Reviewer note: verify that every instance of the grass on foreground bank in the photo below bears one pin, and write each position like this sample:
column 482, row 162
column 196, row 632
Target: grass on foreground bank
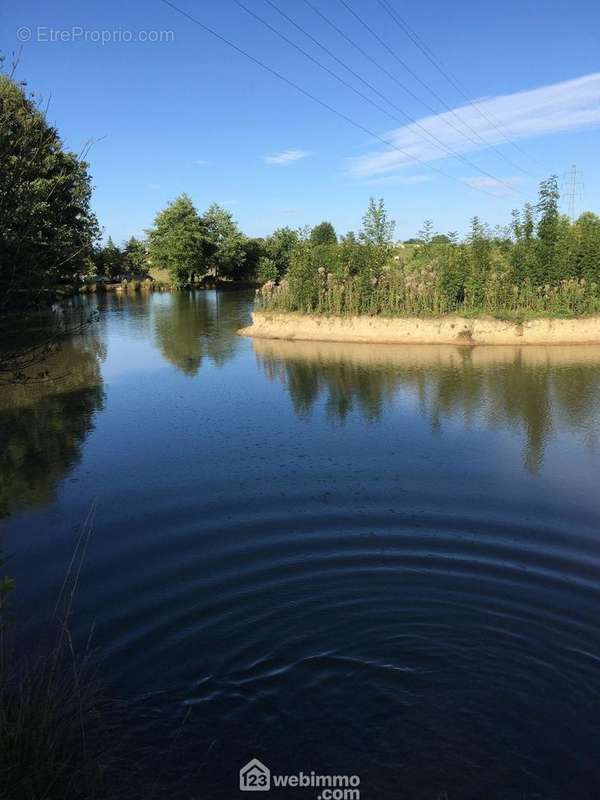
column 49, row 705
column 61, row 737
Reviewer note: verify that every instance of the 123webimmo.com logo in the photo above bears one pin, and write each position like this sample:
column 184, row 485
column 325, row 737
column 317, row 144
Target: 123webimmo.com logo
column 256, row 777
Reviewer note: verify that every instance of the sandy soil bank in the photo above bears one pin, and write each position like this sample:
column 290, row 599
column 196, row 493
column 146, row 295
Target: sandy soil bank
column 413, row 330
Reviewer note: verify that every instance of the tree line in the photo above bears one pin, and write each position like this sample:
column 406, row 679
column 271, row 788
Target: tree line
column 542, row 263
column 192, row 247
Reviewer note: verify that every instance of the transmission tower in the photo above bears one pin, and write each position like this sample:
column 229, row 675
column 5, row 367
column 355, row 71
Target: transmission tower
column 573, row 190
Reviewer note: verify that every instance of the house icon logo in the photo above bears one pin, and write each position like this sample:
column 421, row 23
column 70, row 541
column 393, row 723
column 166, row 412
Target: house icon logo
column 255, row 777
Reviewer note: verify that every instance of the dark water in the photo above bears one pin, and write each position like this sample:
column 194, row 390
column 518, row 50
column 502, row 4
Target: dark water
column 382, row 561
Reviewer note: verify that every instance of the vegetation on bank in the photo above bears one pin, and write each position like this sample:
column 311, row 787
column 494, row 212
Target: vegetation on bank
column 541, row 265
column 47, row 229
column 49, row 706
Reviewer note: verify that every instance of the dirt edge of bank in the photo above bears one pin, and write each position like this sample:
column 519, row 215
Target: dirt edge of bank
column 415, row 330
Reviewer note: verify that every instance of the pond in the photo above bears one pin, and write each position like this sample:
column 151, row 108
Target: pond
column 348, row 559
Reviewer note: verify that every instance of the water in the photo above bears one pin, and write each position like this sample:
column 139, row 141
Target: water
column 341, row 558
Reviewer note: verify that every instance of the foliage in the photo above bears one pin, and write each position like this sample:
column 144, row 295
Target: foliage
column 49, row 707
column 226, row 244
column 324, row 233
column 377, row 229
column 377, row 233
column 253, row 253
column 111, row 261
column 108, row 261
column 543, row 266
column 586, row 247
column 266, row 270
column 279, row 247
column 47, row 229
column 178, row 241
column 135, row 256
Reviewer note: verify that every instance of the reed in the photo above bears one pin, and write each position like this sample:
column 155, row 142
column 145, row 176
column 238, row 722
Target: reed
column 50, row 709
column 421, row 295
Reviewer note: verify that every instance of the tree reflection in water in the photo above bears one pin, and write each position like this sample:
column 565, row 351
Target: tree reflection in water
column 43, row 424
column 528, row 389
column 192, row 326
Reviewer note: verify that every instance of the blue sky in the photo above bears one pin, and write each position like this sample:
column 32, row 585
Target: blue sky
column 190, row 114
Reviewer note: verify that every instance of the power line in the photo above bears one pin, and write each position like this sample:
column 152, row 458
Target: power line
column 433, row 59
column 412, row 120
column 432, row 91
column 314, row 60
column 389, row 74
column 359, row 126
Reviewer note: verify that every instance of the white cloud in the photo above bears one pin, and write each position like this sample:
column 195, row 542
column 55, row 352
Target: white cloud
column 201, row 162
column 501, row 187
column 566, row 106
column 285, row 157
column 403, row 179
column 154, row 185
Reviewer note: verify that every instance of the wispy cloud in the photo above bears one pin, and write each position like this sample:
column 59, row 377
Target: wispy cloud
column 201, row 162
column 154, row 186
column 402, row 179
column 285, row 157
column 501, row 187
column 228, row 202
column 566, row 106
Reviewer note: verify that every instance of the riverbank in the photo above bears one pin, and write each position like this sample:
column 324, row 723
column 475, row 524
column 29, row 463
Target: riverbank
column 414, row 330
column 152, row 285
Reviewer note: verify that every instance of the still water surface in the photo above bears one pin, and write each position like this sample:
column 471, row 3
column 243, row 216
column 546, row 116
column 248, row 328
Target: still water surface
column 378, row 560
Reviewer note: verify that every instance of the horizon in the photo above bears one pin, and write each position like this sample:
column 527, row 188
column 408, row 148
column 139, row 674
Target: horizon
column 189, row 114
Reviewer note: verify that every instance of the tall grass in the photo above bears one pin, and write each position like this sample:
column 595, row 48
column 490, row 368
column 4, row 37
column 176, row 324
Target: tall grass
column 421, row 295
column 61, row 737
column 50, row 709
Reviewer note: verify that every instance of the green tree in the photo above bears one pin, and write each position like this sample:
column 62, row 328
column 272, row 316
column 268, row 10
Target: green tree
column 426, row 234
column 323, row 233
column 253, row 253
column 480, row 249
column 548, row 231
column 135, row 256
column 266, row 270
column 280, row 246
column 525, row 256
column 47, row 229
column 226, row 242
column 177, row 241
column 377, row 229
column 111, row 260
column 587, row 231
